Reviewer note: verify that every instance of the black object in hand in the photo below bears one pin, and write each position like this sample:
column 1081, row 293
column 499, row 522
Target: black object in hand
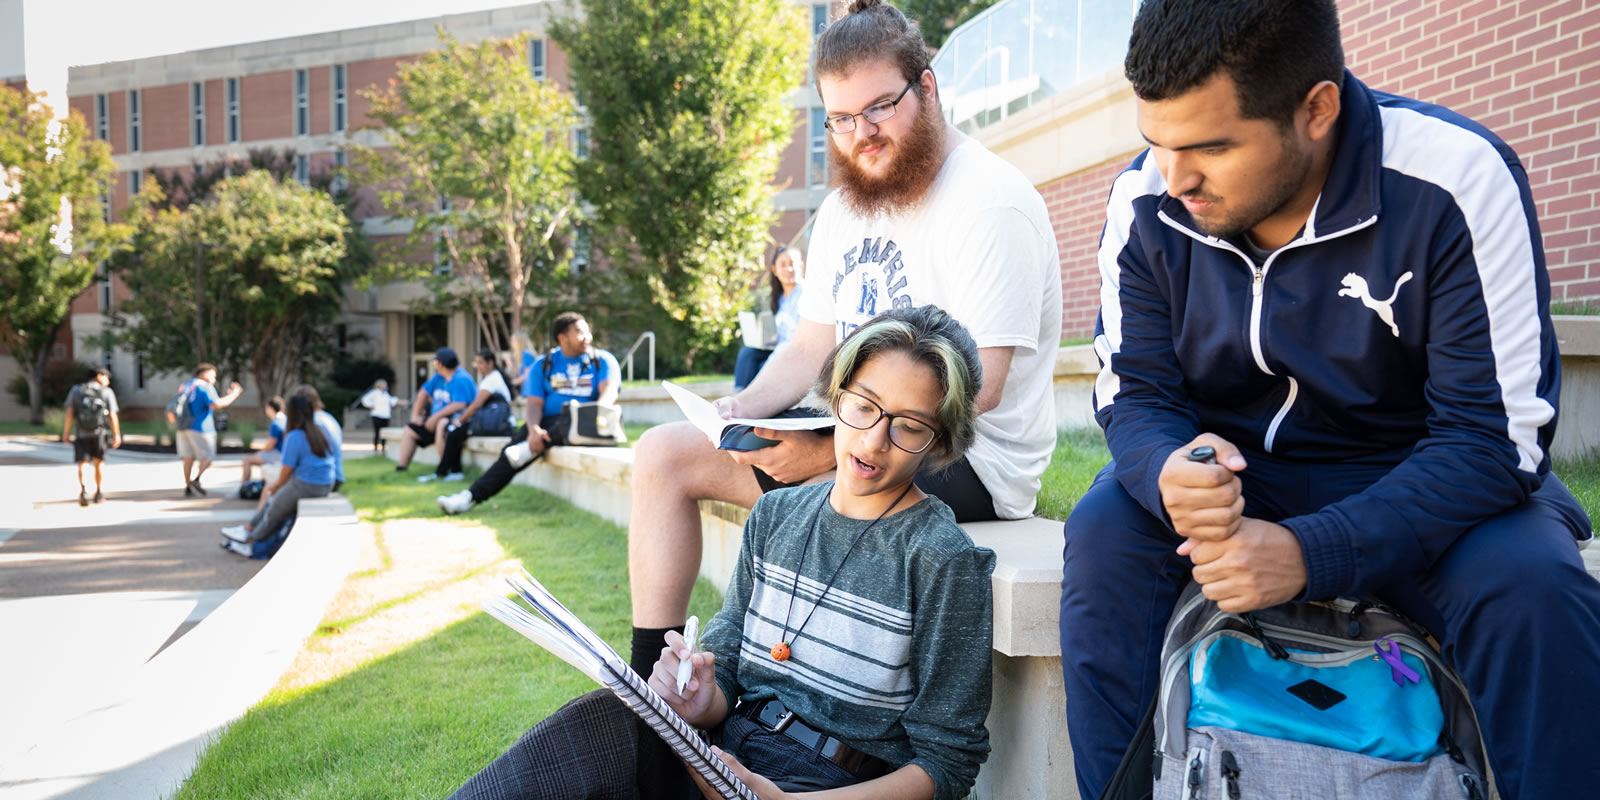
column 743, row 438
column 1204, row 454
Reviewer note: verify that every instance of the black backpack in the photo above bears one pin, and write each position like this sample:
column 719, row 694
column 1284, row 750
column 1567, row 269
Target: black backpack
column 93, row 411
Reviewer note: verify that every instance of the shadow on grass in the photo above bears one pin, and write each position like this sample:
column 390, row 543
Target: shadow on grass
column 421, row 720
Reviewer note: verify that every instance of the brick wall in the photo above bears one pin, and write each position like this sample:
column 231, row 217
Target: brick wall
column 1529, row 71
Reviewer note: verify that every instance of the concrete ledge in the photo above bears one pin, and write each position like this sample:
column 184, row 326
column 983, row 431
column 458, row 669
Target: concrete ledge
column 146, row 744
column 651, row 405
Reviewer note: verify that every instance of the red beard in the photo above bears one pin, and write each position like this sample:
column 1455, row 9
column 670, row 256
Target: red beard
column 915, row 160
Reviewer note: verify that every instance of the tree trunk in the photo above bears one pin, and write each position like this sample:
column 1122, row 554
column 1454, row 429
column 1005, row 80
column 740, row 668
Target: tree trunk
column 40, row 358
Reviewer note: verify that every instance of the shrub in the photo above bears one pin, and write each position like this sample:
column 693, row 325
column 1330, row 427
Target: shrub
column 60, row 375
column 349, row 378
column 246, row 431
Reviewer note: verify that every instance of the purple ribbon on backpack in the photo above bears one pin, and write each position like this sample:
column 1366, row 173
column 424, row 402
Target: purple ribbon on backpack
column 1390, row 652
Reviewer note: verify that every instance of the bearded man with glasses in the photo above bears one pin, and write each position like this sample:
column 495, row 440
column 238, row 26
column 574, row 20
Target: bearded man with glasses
column 921, row 215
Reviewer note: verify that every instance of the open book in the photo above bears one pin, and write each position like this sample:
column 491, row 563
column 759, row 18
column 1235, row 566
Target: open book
column 551, row 626
column 699, row 411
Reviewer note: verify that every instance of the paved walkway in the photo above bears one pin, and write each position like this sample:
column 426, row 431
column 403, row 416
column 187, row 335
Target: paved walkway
column 89, row 596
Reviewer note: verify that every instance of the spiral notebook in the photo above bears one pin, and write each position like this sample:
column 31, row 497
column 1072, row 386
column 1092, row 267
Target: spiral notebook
column 550, row 625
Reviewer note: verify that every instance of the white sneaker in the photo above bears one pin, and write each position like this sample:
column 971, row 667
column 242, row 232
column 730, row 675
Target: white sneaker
column 428, row 478
column 236, row 533
column 458, row 503
column 238, row 549
column 453, row 477
column 519, row 454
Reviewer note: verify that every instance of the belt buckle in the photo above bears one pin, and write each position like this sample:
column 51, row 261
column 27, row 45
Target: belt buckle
column 775, row 716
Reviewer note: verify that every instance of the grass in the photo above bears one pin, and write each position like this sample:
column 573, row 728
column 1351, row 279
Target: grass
column 716, row 378
column 419, row 721
column 1582, row 308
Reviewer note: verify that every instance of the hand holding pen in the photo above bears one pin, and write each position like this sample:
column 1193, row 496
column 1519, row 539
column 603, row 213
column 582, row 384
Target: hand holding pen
column 686, row 678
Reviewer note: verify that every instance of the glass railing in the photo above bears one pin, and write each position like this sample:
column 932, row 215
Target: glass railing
column 1020, row 52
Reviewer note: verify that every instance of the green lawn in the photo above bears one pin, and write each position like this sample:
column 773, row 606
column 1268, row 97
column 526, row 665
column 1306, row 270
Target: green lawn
column 728, row 378
column 419, row 722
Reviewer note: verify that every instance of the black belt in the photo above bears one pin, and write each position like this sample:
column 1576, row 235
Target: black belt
column 772, row 715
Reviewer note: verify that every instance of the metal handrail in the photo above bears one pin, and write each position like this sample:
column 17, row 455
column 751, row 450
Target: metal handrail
column 628, row 358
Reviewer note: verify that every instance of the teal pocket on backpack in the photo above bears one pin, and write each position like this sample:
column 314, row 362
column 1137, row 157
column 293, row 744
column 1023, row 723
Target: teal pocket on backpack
column 1352, row 700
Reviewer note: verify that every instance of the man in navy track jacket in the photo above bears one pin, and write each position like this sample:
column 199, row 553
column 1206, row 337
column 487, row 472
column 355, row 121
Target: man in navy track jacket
column 1342, row 292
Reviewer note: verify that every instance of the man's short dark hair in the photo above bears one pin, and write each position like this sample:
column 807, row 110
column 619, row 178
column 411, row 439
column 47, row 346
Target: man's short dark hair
column 871, row 30
column 563, row 321
column 201, row 370
column 98, row 371
column 1274, row 50
column 275, row 403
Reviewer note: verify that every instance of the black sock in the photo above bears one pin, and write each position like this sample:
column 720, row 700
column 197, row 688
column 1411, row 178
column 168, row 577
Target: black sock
column 646, row 651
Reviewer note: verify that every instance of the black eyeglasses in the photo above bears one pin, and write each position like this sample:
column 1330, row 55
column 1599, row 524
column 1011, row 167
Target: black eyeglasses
column 907, row 433
column 875, row 113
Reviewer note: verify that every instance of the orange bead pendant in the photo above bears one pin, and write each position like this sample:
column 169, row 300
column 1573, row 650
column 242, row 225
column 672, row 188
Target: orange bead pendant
column 780, row 652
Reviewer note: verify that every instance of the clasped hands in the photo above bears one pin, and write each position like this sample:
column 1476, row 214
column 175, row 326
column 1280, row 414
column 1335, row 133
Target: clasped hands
column 702, row 704
column 1241, row 563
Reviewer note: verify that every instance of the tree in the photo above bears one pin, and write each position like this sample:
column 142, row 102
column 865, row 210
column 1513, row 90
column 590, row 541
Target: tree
column 688, row 109
column 939, row 18
column 248, row 278
column 478, row 161
column 53, row 232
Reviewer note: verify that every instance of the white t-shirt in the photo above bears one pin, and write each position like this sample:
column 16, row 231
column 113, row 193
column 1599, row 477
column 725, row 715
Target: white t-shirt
column 495, row 383
column 380, row 402
column 979, row 246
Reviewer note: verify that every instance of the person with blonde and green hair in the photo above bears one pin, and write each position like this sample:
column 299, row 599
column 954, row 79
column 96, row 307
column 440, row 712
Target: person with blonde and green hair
column 852, row 652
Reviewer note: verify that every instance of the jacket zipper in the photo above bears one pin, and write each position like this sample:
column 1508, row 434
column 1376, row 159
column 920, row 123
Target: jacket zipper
column 1257, row 280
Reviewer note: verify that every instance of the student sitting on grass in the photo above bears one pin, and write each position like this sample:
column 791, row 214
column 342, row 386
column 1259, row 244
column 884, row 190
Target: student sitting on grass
column 308, row 470
column 875, row 606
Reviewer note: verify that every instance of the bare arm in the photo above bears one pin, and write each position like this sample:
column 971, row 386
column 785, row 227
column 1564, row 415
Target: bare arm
column 284, row 473
column 996, row 366
column 787, row 374
column 234, row 391
column 116, row 430
column 66, row 427
column 609, row 389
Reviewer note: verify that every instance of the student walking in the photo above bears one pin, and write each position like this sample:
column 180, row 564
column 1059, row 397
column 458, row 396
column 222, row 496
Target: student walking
column 379, row 405
column 92, row 406
column 197, row 440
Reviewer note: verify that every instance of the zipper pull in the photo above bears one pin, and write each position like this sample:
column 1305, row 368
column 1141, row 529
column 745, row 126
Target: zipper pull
column 1355, row 617
column 1470, row 785
column 1255, row 283
column 1274, row 649
column 1194, row 776
column 1230, row 773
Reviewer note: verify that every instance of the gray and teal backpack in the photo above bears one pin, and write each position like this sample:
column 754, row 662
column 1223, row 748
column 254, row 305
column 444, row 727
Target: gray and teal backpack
column 1333, row 700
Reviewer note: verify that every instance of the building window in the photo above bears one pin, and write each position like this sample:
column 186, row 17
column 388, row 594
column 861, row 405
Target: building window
column 138, row 373
column 135, row 122
column 233, row 110
column 819, row 19
column 536, row 58
column 302, row 169
column 339, row 94
column 817, row 161
column 106, row 359
column 580, row 143
column 105, row 300
column 341, row 181
column 197, row 101
column 302, row 102
column 135, row 183
column 582, row 248
column 105, row 206
column 341, row 335
column 102, row 118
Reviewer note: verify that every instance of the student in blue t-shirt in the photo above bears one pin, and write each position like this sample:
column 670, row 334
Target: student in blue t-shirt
column 309, row 469
column 198, row 442
column 271, row 453
column 441, row 399
column 574, row 370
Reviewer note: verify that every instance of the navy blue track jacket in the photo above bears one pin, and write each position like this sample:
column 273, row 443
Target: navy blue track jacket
column 1407, row 326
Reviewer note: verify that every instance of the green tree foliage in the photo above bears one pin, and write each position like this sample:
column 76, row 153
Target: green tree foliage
column 689, row 114
column 478, row 160
column 248, row 278
column 53, row 231
column 938, row 18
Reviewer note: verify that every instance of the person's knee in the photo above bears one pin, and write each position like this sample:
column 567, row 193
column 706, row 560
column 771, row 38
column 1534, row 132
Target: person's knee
column 666, row 454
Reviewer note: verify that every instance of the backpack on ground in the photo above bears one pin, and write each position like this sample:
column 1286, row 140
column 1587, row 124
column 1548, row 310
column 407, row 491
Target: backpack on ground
column 93, row 410
column 179, row 415
column 1339, row 700
column 251, row 490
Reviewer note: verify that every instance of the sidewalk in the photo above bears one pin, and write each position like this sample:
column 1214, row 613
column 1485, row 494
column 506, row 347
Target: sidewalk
column 108, row 688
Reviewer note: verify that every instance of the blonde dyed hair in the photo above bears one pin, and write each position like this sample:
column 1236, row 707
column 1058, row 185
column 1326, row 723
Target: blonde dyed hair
column 929, row 336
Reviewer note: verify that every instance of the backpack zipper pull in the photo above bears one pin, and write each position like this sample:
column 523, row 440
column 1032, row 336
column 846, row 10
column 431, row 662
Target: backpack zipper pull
column 1194, row 777
column 1274, row 649
column 1230, row 773
column 1355, row 617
